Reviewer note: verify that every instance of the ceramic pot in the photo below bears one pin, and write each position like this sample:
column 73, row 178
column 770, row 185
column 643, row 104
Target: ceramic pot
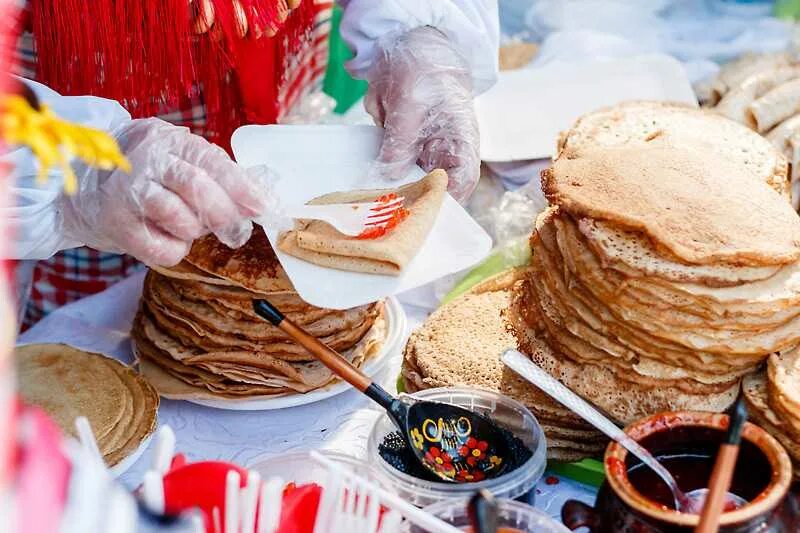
column 633, row 499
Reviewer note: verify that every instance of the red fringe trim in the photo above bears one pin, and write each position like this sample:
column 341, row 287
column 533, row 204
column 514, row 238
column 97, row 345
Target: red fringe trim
column 144, row 54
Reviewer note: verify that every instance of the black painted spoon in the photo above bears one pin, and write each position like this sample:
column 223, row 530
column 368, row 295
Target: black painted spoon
column 454, row 443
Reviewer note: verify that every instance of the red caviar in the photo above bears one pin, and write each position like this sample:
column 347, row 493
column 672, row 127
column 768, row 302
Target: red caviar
column 398, row 215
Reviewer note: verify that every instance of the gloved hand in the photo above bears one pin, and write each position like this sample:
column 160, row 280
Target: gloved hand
column 420, row 90
column 180, row 188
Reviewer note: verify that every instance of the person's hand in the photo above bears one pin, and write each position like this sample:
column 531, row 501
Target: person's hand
column 420, row 90
column 181, row 187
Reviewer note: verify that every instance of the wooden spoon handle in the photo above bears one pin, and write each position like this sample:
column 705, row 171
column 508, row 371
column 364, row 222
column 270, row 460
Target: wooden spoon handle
column 328, row 357
column 718, row 486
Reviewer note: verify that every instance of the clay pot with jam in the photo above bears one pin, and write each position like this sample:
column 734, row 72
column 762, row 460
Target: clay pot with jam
column 633, row 498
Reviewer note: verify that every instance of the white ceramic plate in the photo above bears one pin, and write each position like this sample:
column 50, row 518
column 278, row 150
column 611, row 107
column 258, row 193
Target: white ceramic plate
column 314, row 160
column 396, row 326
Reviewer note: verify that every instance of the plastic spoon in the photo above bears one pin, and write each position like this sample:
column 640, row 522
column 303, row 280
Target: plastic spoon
column 523, row 366
column 453, row 443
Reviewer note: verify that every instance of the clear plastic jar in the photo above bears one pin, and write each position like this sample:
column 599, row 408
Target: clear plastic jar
column 506, row 412
column 511, row 514
column 300, row 467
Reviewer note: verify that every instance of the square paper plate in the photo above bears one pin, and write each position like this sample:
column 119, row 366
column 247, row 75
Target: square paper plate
column 522, row 115
column 314, row 160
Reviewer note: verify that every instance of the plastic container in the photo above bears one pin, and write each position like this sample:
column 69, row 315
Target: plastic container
column 300, row 468
column 506, row 412
column 511, row 514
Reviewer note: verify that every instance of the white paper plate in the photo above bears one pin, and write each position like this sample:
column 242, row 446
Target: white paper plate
column 314, row 160
column 521, row 116
column 396, row 327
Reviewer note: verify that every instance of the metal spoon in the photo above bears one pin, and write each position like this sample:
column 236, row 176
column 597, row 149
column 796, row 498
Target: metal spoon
column 455, row 444
column 523, row 366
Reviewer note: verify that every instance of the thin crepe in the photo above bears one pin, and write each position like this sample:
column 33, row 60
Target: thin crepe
column 320, row 243
column 698, row 206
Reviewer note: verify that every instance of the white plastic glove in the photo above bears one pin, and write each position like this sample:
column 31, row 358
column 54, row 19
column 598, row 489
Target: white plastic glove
column 420, row 90
column 181, row 187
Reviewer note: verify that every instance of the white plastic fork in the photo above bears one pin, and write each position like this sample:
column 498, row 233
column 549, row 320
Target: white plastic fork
column 356, row 505
column 349, row 219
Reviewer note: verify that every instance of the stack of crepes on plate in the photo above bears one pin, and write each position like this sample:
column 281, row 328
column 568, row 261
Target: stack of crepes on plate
column 68, row 383
column 762, row 91
column 197, row 337
column 666, row 267
column 460, row 345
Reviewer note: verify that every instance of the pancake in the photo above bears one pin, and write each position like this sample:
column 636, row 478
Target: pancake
column 460, row 345
column 633, row 254
column 703, row 209
column 193, row 334
column 639, row 123
column 204, row 318
column 254, row 266
column 175, row 380
column 756, row 395
column 625, row 401
column 187, row 272
column 67, row 383
column 320, row 243
column 141, row 424
column 300, row 376
column 783, row 373
column 587, row 318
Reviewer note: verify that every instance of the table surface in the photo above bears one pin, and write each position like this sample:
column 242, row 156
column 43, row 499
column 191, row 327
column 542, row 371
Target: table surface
column 101, row 323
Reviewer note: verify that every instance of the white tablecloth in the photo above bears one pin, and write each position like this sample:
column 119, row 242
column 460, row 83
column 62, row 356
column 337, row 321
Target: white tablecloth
column 101, row 323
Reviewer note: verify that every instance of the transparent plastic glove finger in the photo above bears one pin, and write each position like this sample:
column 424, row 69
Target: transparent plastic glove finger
column 249, row 193
column 420, row 91
column 273, row 216
column 459, row 159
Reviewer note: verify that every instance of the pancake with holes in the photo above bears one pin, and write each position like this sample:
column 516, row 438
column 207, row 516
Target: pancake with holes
column 460, row 345
column 640, row 123
column 662, row 273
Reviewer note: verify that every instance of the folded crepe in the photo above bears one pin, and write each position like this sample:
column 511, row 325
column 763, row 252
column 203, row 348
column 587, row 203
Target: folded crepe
column 320, row 243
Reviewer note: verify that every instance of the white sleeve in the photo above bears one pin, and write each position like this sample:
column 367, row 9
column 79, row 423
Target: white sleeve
column 32, row 214
column 471, row 25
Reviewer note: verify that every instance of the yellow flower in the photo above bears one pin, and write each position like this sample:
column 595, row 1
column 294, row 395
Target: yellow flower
column 54, row 141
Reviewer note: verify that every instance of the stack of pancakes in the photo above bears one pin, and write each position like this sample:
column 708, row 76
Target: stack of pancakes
column 68, row 383
column 196, row 334
column 662, row 273
column 460, row 345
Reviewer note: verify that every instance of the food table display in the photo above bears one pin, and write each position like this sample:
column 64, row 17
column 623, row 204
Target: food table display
column 663, row 278
column 662, row 275
column 341, row 423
